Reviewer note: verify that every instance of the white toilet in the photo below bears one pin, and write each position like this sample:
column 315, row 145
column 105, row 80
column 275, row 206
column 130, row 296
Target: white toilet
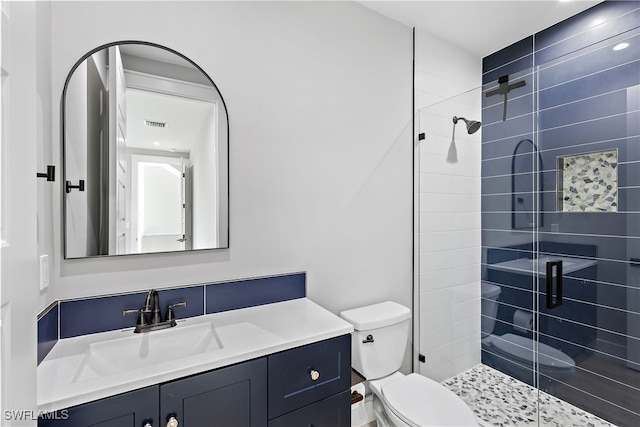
column 514, row 354
column 378, row 346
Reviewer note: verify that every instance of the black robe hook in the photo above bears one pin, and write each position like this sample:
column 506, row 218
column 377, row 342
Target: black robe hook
column 50, row 174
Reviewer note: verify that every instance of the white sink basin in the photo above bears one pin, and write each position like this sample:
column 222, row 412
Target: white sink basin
column 95, row 366
column 137, row 351
column 530, row 265
column 542, row 261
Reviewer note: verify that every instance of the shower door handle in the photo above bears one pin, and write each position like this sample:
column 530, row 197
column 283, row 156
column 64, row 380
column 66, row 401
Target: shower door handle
column 554, row 300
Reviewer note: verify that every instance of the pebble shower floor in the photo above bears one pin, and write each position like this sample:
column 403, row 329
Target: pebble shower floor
column 499, row 400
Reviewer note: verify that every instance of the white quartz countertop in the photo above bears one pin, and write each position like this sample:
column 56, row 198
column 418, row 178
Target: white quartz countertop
column 90, row 367
column 530, row 265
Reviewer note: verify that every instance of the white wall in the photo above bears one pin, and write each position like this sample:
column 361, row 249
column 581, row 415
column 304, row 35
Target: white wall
column 76, row 166
column 205, row 184
column 448, row 218
column 25, row 131
column 45, row 152
column 319, row 100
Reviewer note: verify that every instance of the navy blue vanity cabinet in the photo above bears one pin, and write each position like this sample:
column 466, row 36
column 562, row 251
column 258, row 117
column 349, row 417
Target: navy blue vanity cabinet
column 334, row 411
column 571, row 327
column 310, row 385
column 132, row 409
column 304, row 386
column 235, row 396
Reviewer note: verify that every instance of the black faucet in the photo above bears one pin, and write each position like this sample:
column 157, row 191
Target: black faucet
column 152, row 306
column 155, row 309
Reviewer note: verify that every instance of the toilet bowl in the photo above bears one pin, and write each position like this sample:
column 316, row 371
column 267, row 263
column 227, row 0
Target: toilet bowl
column 415, row 400
column 515, row 354
column 378, row 343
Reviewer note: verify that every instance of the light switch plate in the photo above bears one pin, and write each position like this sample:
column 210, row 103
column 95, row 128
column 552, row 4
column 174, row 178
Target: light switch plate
column 44, row 272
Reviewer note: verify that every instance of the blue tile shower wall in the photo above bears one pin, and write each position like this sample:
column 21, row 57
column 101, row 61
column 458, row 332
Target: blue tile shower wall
column 580, row 96
column 590, row 27
column 92, row 315
column 515, row 58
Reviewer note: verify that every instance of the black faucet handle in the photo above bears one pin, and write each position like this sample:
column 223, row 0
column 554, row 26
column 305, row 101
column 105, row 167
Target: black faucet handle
column 170, row 315
column 142, row 319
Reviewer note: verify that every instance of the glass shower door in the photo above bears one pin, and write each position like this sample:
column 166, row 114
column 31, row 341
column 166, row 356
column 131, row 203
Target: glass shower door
column 510, row 222
column 589, row 234
column 448, row 214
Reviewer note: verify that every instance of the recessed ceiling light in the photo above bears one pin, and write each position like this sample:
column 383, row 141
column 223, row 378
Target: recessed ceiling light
column 621, row 46
column 156, row 143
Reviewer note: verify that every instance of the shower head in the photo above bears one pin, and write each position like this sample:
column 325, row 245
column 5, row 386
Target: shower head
column 472, row 125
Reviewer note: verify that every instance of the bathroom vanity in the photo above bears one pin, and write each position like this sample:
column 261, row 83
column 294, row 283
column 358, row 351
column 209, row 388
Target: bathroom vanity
column 562, row 326
column 280, row 364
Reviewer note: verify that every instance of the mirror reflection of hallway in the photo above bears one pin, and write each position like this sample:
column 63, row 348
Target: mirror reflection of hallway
column 163, row 107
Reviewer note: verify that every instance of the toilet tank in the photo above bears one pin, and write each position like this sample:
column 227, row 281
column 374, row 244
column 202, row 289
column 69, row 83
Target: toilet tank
column 488, row 307
column 379, row 340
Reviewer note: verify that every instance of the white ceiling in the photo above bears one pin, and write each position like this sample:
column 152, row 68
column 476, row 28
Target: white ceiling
column 186, row 121
column 480, row 27
column 155, row 54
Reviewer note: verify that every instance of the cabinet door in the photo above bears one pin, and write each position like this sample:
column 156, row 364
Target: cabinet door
column 132, row 409
column 235, row 396
column 304, row 375
column 334, row 411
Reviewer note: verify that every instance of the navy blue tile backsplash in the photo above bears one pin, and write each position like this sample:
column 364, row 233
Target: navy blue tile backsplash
column 72, row 318
column 47, row 330
column 89, row 316
column 252, row 292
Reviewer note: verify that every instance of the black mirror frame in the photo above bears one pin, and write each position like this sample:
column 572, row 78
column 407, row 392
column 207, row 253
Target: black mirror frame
column 63, row 129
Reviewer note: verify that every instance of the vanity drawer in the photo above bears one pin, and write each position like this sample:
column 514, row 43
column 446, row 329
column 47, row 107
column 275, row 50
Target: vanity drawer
column 334, row 411
column 304, row 375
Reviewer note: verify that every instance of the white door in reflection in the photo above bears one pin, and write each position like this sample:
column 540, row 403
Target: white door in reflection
column 160, row 209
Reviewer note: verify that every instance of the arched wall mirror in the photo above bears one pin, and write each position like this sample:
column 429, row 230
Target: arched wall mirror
column 523, row 187
column 145, row 138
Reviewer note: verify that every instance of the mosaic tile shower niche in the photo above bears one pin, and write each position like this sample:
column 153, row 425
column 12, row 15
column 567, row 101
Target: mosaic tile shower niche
column 588, row 182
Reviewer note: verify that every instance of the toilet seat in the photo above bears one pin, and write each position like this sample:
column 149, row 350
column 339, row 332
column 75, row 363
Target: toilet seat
column 420, row 401
column 520, row 349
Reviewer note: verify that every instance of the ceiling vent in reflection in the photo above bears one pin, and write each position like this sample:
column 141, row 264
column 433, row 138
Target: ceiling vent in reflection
column 153, row 124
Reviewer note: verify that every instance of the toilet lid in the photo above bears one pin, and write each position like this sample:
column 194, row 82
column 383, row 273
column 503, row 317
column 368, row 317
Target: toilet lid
column 521, row 348
column 423, row 402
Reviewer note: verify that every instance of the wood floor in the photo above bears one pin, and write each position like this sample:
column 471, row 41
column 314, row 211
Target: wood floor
column 356, row 378
column 605, row 394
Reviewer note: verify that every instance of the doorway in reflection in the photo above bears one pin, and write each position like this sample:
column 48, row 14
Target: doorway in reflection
column 160, row 204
